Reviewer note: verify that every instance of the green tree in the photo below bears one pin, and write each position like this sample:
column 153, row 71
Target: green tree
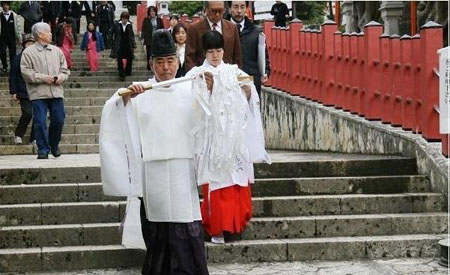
column 188, row 7
column 311, row 12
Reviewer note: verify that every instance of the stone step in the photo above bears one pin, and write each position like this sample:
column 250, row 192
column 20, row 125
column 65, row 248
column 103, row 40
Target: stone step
column 284, row 165
column 68, row 129
column 307, row 249
column 68, row 101
column 27, row 149
column 113, row 211
column 70, row 110
column 76, row 92
column 80, row 192
column 334, row 248
column 69, row 258
column 65, row 139
column 88, row 73
column 70, row 119
column 144, row 73
column 78, row 85
column 110, row 68
column 257, row 229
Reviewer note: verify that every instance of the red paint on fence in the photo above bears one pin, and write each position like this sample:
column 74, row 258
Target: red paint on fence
column 370, row 74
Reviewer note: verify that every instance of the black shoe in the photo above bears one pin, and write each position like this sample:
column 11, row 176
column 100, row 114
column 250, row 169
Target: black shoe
column 56, row 153
column 122, row 78
column 42, row 156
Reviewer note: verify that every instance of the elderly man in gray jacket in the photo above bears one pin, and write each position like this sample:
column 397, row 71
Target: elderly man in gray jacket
column 44, row 70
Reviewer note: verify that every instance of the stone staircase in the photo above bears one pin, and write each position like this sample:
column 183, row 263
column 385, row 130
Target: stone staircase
column 307, row 206
column 85, row 94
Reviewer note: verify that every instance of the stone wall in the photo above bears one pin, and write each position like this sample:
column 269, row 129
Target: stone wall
column 298, row 124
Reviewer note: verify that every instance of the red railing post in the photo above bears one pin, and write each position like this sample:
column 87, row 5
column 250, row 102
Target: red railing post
column 346, row 72
column 417, row 102
column 184, row 18
column 196, row 18
column 276, row 57
column 328, row 63
column 385, row 78
column 166, row 22
column 372, row 105
column 338, row 61
column 267, row 29
column 445, row 145
column 431, row 33
column 285, row 66
column 315, row 64
column 361, row 82
column 354, row 73
column 396, row 86
column 294, row 83
column 302, row 63
column 407, row 111
column 308, row 65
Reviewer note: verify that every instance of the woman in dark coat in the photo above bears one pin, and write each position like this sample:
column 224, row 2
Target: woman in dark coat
column 149, row 25
column 124, row 45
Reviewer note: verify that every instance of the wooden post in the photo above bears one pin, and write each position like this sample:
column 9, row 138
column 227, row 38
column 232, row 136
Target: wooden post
column 413, row 12
column 337, row 13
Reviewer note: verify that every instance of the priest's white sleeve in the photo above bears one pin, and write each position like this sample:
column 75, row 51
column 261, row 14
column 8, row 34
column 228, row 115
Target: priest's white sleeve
column 121, row 165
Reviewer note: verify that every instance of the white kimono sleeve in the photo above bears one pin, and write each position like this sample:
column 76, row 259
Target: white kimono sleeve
column 254, row 133
column 121, row 164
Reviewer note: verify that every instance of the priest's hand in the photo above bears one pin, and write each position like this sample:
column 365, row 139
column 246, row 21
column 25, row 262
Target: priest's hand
column 209, row 81
column 136, row 90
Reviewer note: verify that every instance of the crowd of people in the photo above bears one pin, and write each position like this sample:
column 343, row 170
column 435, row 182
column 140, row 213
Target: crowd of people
column 218, row 47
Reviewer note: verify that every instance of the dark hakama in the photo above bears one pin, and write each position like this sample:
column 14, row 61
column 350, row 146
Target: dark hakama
column 173, row 248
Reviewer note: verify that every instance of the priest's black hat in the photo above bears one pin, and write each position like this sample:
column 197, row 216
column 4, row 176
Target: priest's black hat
column 163, row 44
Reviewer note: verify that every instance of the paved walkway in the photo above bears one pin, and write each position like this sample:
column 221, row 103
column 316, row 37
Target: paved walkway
column 424, row 266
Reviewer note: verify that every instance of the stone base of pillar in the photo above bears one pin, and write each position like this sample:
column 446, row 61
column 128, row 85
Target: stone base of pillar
column 444, row 244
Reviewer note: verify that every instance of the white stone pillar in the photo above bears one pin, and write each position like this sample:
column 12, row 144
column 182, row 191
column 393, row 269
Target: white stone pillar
column 347, row 16
column 391, row 13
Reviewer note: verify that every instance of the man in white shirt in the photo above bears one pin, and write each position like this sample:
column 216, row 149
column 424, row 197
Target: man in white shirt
column 146, row 150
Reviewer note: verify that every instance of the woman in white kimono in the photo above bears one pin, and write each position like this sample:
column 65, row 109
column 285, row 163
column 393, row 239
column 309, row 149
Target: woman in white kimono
column 224, row 153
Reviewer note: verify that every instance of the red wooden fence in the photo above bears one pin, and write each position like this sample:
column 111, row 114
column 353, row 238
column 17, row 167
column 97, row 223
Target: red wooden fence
column 376, row 76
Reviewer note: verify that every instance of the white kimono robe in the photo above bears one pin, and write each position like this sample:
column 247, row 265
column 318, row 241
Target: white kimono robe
column 252, row 150
column 146, row 150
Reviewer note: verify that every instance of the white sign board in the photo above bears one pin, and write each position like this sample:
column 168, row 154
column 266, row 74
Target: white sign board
column 444, row 90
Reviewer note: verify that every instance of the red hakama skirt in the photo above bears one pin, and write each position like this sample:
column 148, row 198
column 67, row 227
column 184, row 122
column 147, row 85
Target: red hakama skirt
column 229, row 209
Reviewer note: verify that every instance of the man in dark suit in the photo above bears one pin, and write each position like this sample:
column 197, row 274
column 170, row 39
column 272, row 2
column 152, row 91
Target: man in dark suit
column 194, row 51
column 72, row 9
column 105, row 21
column 249, row 36
column 9, row 34
column 31, row 12
column 51, row 11
column 280, row 12
column 90, row 10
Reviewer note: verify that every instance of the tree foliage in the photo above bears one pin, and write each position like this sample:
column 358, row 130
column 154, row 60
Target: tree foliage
column 188, row 7
column 311, row 12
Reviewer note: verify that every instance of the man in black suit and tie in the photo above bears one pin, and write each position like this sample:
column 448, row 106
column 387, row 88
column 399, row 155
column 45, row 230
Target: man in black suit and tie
column 31, row 12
